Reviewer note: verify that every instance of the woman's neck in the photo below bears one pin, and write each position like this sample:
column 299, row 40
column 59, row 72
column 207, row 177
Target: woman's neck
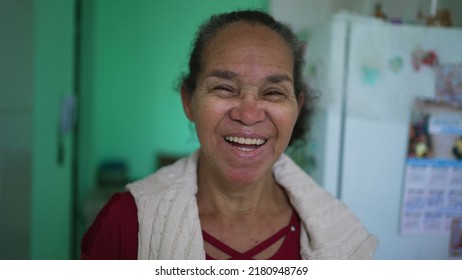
column 221, row 197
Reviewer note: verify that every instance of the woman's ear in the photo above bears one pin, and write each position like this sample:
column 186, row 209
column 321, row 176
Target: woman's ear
column 186, row 97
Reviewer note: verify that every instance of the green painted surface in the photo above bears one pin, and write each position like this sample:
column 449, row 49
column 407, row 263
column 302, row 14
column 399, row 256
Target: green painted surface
column 53, row 79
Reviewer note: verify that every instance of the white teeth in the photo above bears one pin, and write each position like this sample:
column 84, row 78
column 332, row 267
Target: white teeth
column 245, row 149
column 245, row 141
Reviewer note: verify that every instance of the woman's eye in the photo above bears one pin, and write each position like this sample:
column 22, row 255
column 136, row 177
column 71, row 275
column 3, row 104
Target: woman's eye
column 223, row 89
column 274, row 95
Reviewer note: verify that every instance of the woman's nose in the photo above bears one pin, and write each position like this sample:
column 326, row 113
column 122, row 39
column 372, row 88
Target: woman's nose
column 248, row 111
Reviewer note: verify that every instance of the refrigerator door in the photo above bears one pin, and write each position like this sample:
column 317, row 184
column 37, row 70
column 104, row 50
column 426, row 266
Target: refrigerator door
column 384, row 74
column 326, row 52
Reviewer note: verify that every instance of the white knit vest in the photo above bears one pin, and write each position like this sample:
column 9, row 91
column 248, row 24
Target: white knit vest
column 169, row 225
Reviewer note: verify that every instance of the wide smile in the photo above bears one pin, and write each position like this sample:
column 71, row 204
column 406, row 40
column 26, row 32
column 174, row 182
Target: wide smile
column 245, row 144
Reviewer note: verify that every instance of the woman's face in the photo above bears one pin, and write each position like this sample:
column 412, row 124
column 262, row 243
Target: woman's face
column 244, row 107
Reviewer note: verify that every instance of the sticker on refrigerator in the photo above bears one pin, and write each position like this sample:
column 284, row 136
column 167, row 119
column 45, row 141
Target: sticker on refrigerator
column 432, row 195
column 449, row 82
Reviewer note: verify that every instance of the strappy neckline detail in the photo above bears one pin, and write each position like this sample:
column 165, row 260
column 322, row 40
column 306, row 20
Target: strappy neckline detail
column 249, row 254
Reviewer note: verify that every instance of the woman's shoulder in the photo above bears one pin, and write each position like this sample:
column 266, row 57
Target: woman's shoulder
column 114, row 232
column 297, row 182
column 181, row 174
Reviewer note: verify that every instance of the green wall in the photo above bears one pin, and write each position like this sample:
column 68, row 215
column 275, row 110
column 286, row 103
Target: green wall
column 133, row 54
column 53, row 79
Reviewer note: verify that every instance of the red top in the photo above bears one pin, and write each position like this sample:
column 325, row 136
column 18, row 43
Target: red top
column 114, row 235
column 289, row 250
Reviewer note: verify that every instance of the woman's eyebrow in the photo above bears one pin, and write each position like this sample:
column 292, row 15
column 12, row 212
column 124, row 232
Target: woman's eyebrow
column 278, row 78
column 224, row 74
column 231, row 75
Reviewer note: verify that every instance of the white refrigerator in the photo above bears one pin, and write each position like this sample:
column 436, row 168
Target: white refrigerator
column 368, row 73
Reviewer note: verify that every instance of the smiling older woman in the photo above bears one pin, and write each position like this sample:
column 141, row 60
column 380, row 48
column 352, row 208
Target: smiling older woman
column 238, row 196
